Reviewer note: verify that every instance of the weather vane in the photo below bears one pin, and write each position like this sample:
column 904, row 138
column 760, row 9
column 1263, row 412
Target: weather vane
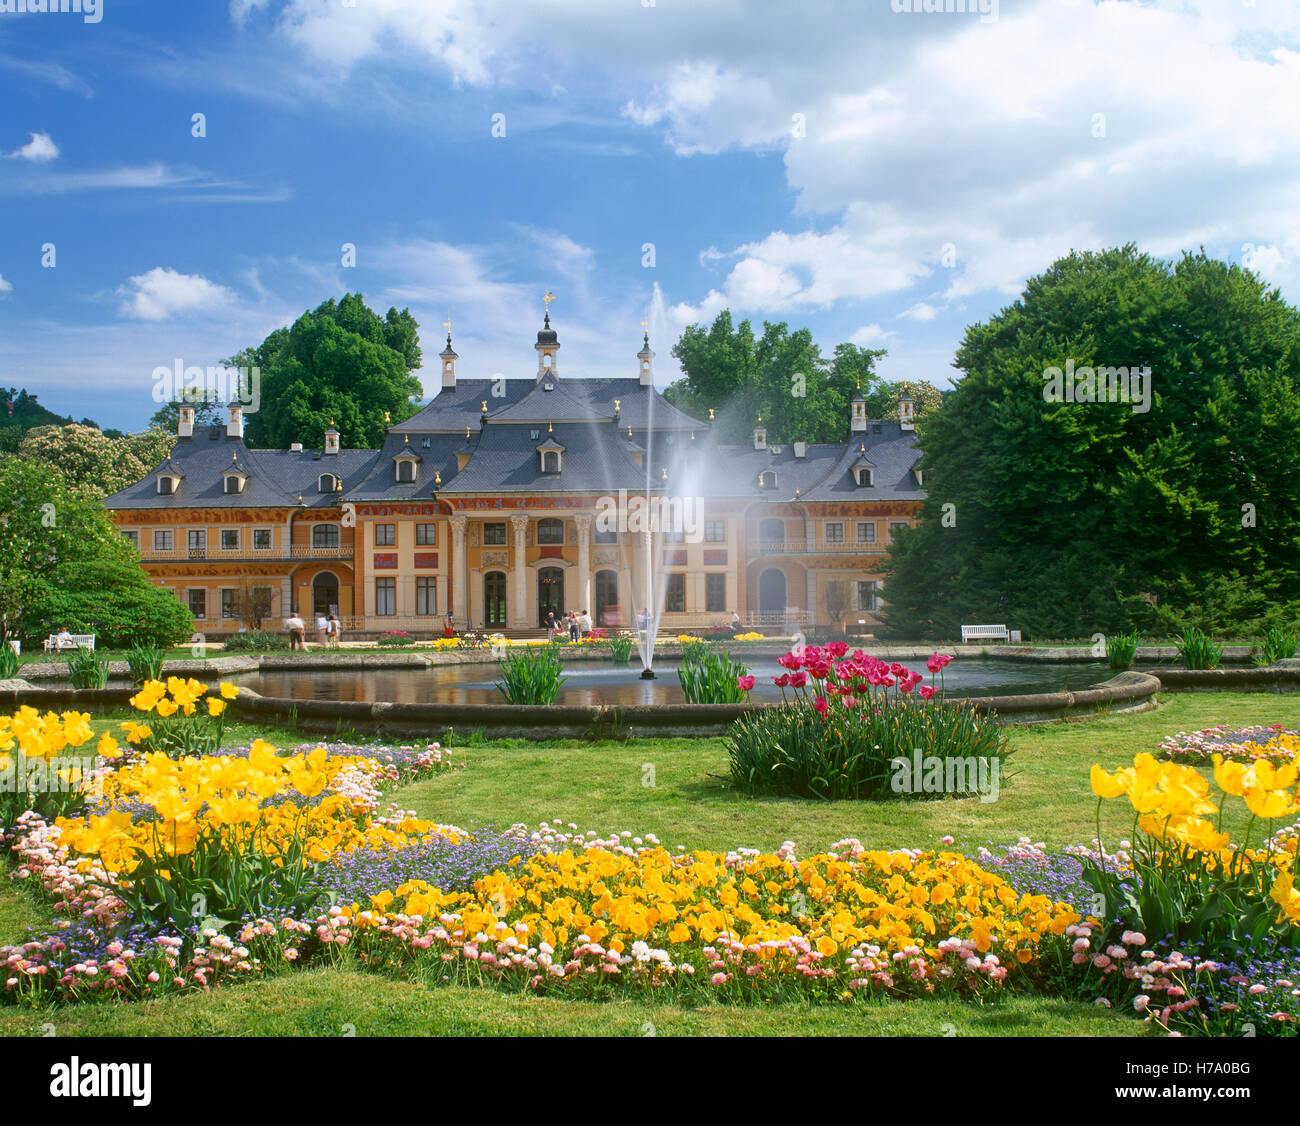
column 547, row 298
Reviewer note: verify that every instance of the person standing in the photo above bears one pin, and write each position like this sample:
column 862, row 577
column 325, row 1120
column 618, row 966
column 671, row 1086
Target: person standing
column 573, row 626
column 335, row 630
column 322, row 629
column 584, row 624
column 297, row 629
column 449, row 630
column 552, row 626
column 735, row 620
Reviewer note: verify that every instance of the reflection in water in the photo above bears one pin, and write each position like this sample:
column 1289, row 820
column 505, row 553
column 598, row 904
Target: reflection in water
column 604, row 684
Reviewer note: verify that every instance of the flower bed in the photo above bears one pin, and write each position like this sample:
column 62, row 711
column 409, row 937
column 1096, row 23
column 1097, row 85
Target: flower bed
column 1275, row 744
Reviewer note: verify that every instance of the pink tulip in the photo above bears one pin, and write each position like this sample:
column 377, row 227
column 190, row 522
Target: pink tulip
column 744, row 683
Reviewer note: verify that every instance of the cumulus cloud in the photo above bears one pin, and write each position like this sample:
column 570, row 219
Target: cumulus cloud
column 163, row 292
column 41, row 149
column 5, row 286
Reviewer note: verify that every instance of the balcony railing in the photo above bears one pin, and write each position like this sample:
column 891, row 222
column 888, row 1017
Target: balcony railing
column 150, row 554
column 816, row 547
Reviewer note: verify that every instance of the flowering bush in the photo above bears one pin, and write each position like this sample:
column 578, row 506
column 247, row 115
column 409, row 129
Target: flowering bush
column 1275, row 744
column 1183, row 877
column 749, row 637
column 42, row 776
column 852, row 725
column 177, row 725
column 394, row 639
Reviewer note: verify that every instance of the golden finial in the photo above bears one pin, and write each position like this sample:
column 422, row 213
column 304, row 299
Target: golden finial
column 484, row 402
column 760, row 420
column 710, row 414
column 550, row 429
column 300, row 498
column 617, row 408
column 338, row 484
column 234, row 456
column 663, row 474
column 437, row 477
column 406, row 439
column 548, row 297
column 629, row 430
column 467, row 433
column 447, row 325
column 692, row 435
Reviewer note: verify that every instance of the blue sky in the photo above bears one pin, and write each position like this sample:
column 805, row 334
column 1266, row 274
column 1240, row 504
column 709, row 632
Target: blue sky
column 881, row 176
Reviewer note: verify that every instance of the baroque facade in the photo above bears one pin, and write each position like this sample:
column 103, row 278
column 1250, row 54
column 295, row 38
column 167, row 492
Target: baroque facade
column 493, row 503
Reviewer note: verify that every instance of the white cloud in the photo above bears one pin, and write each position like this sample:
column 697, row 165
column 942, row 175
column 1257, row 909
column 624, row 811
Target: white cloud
column 5, row 286
column 163, row 292
column 871, row 336
column 41, row 149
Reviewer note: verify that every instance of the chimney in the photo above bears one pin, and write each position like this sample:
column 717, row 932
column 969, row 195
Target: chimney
column 646, row 359
column 295, row 447
column 331, row 440
column 185, row 422
column 235, row 427
column 800, row 449
column 760, row 435
column 449, row 359
column 905, row 419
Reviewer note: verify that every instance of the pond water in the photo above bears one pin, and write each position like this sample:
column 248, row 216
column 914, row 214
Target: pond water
column 588, row 684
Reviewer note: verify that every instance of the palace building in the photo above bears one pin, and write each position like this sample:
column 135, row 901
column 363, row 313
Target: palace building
column 491, row 504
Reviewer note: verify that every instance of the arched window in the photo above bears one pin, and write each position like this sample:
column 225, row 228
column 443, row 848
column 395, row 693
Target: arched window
column 550, row 461
column 863, row 477
column 234, row 483
column 166, row 486
column 767, row 479
column 405, row 472
column 328, row 482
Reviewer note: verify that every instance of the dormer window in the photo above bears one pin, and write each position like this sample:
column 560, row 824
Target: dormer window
column 234, row 483
column 767, row 479
column 328, row 483
column 551, row 456
column 863, row 476
column 166, row 486
column 405, row 472
column 920, row 476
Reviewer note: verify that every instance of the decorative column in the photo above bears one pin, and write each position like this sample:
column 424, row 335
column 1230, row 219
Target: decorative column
column 583, row 523
column 459, row 572
column 519, row 600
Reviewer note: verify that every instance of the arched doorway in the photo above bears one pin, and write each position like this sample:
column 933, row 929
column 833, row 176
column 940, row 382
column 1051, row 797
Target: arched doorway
column 606, row 598
column 550, row 593
column 771, row 592
column 324, row 593
column 494, row 599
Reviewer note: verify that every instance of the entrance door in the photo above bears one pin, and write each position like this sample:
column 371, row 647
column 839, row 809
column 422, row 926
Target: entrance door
column 550, row 593
column 771, row 592
column 324, row 593
column 606, row 598
column 494, row 599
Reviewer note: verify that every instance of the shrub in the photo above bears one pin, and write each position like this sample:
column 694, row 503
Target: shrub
column 114, row 601
column 38, row 750
column 531, row 676
column 255, row 641
column 1280, row 644
column 714, row 678
column 145, row 664
column 86, row 669
column 8, row 662
column 178, row 720
column 1121, row 649
column 1197, row 651
column 621, row 646
column 394, row 639
column 845, row 734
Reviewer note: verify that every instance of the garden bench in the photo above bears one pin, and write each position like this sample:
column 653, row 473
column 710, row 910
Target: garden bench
column 984, row 633
column 79, row 641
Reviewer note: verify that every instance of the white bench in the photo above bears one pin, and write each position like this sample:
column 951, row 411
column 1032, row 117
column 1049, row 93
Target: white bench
column 79, row 641
column 984, row 633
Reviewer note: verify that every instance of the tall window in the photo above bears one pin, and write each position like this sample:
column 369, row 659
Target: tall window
column 163, row 541
column 715, row 531
column 426, row 595
column 230, row 604
column 550, row 531
column 494, row 535
column 166, row 486
column 675, row 596
column 229, row 539
column 715, row 593
column 606, row 536
column 866, row 531
column 405, row 472
column 867, row 589
column 198, row 600
column 325, row 536
column 385, row 535
column 895, row 526
column 261, row 539
column 133, row 538
column 426, row 535
column 835, row 533
column 196, row 539
column 386, row 596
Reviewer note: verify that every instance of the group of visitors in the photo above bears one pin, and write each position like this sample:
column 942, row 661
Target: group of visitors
column 329, row 630
column 577, row 623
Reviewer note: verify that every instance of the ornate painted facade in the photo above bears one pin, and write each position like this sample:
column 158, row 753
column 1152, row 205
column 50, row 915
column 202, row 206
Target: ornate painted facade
column 494, row 501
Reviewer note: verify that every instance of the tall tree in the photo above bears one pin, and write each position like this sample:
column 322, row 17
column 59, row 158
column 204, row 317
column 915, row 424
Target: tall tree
column 1067, row 516
column 339, row 363
column 87, row 458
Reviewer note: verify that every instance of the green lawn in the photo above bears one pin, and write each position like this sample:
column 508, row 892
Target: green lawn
column 600, row 786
